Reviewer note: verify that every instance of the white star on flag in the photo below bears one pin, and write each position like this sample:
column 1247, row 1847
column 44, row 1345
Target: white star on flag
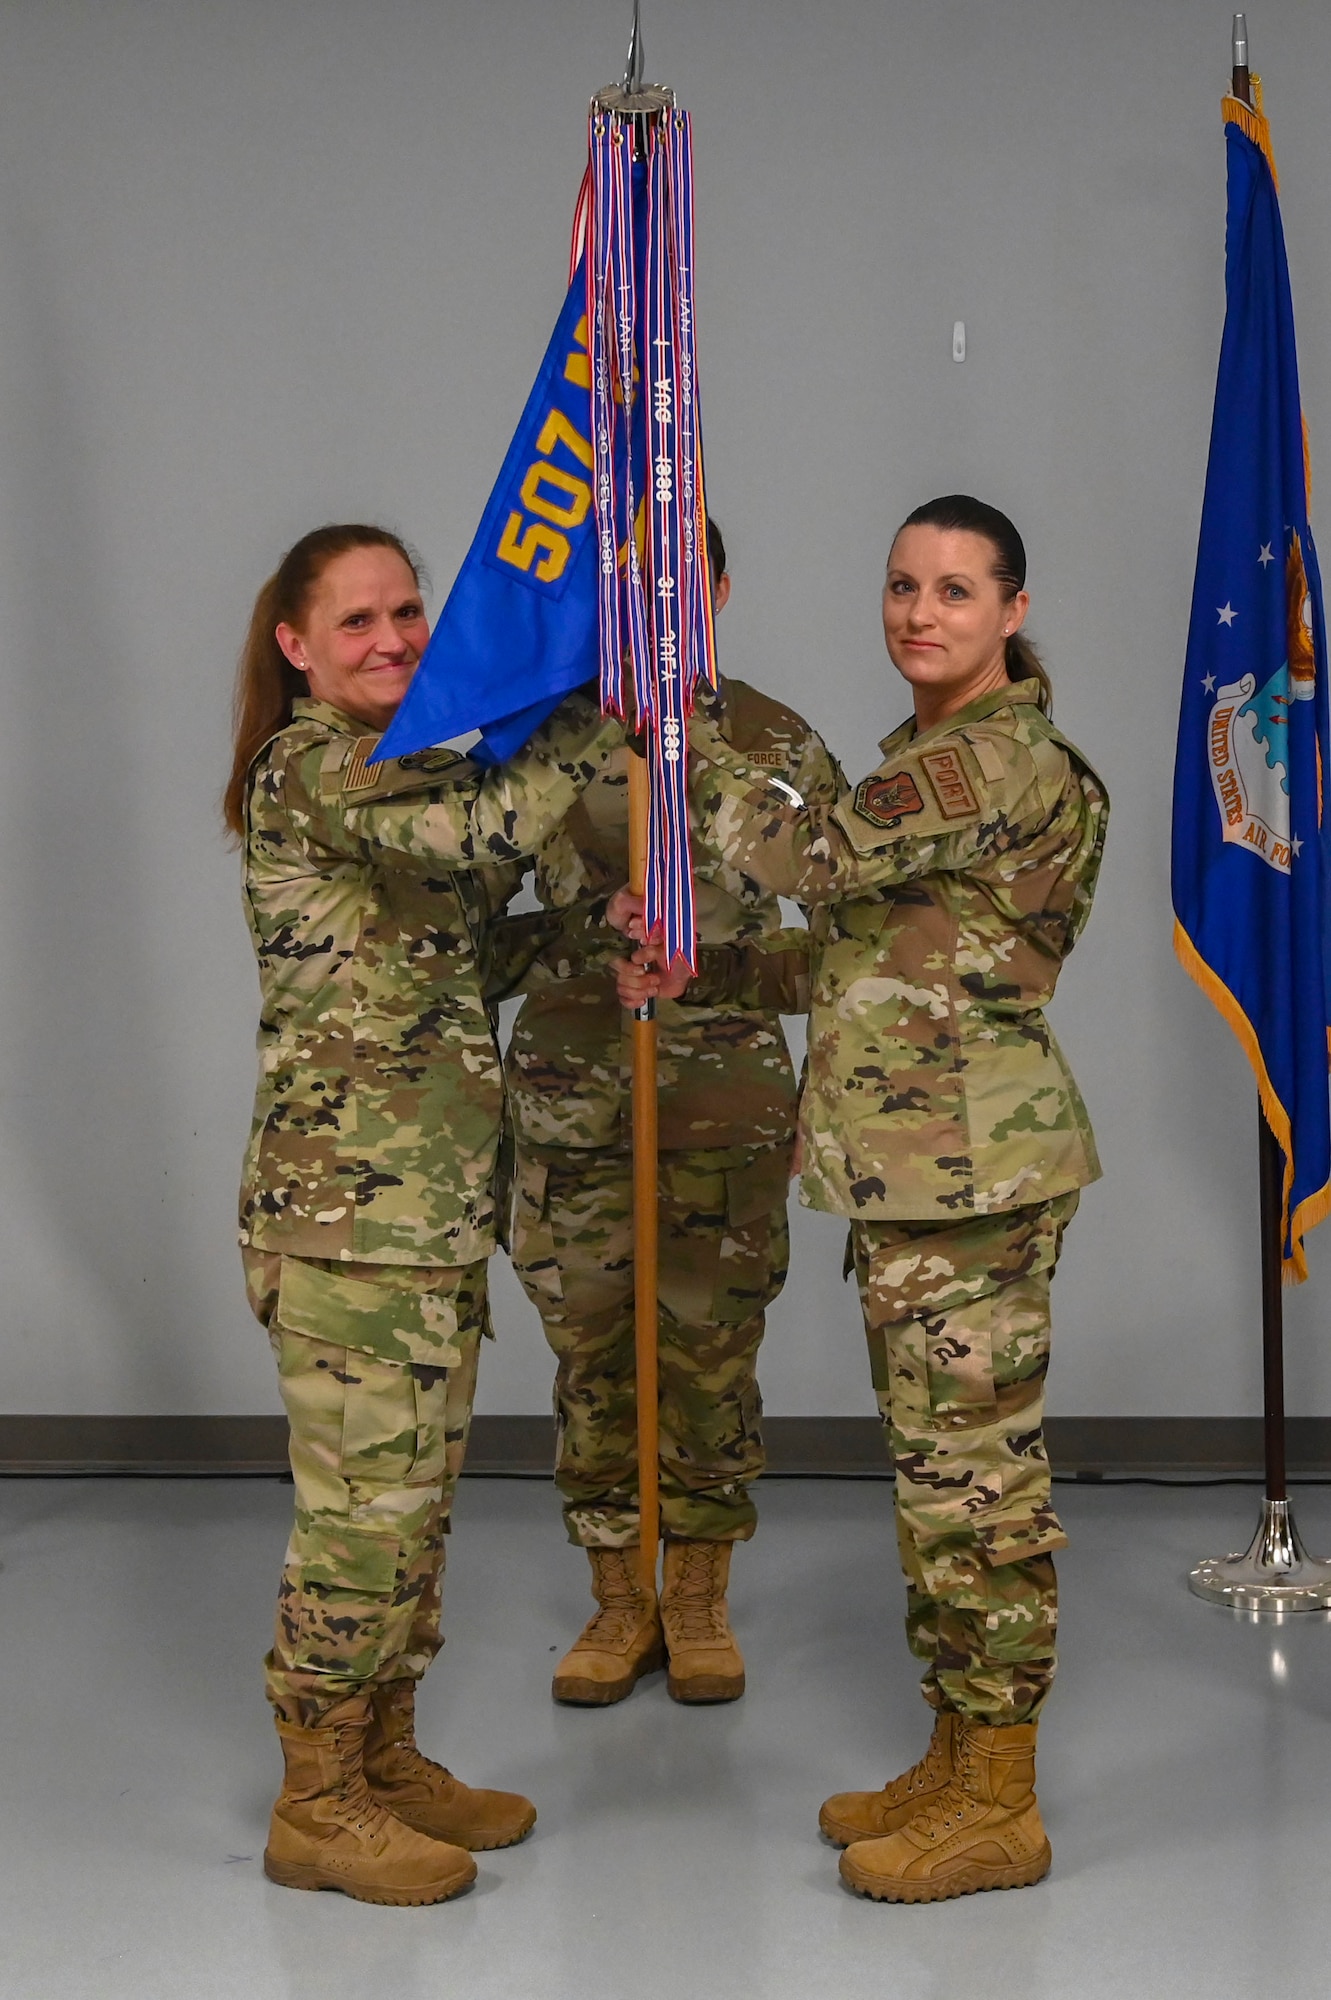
column 1296, row 846
column 1208, row 684
column 1227, row 613
column 1266, row 556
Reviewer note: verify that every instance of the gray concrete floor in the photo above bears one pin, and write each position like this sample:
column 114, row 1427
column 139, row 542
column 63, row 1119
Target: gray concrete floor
column 1185, row 1769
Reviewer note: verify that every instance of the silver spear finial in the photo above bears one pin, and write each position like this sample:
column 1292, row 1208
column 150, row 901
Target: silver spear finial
column 1241, row 81
column 633, row 72
column 633, row 98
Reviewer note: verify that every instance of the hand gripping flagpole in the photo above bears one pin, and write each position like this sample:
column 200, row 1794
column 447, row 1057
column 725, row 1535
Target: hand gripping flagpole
column 1274, row 1575
column 655, row 602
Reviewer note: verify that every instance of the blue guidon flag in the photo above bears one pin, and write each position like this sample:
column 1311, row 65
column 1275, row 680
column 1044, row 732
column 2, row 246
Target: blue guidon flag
column 1250, row 855
column 591, row 557
column 519, row 628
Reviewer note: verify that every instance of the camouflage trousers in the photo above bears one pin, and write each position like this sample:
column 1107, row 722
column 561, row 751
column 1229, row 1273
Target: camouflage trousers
column 957, row 1318
column 377, row 1365
column 724, row 1251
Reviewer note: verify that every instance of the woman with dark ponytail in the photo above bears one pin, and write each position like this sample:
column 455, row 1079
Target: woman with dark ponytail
column 940, row 1116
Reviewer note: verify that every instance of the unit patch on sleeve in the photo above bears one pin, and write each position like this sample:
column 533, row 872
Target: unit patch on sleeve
column 360, row 772
column 887, row 801
column 952, row 788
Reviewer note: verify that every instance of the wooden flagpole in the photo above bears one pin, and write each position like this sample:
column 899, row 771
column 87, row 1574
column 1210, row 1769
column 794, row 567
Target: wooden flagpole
column 641, row 103
column 645, row 1216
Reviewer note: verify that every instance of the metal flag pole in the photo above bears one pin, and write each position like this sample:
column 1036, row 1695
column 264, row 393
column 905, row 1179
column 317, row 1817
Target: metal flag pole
column 639, row 101
column 1274, row 1574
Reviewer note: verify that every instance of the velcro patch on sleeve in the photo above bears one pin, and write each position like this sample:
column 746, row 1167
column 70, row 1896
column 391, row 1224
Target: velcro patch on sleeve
column 361, row 772
column 952, row 788
column 989, row 758
column 887, row 801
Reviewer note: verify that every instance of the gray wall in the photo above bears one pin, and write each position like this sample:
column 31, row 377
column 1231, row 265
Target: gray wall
column 265, row 264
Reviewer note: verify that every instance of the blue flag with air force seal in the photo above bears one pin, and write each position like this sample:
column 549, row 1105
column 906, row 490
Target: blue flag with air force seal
column 1250, row 863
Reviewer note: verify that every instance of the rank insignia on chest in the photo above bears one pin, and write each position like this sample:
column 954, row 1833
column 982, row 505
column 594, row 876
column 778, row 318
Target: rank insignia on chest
column 953, row 789
column 360, row 773
column 887, row 801
column 432, row 762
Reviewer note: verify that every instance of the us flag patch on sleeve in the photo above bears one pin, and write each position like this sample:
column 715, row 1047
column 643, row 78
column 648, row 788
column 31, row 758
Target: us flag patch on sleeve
column 360, row 773
column 952, row 788
column 887, row 801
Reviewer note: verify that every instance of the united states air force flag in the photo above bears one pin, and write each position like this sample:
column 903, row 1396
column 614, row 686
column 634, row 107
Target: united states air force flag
column 1250, row 868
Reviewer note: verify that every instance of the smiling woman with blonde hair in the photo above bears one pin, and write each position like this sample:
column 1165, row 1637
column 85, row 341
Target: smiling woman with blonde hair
column 940, row 1116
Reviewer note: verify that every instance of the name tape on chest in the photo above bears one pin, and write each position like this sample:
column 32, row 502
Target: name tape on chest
column 887, row 801
column 952, row 788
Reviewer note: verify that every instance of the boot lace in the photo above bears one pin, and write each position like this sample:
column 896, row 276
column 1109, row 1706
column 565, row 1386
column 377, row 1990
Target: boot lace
column 695, row 1615
column 952, row 1807
column 410, row 1762
column 921, row 1777
column 961, row 1798
column 360, row 1810
column 622, row 1604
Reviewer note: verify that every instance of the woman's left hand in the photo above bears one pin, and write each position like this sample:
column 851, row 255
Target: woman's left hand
column 640, row 979
column 624, row 912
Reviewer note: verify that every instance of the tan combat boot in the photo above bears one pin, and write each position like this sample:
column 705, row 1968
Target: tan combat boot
column 705, row 1662
column 850, row 1816
column 328, row 1831
column 617, row 1646
column 422, row 1793
column 981, row 1831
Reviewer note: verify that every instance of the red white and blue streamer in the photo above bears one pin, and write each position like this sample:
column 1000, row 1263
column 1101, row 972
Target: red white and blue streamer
column 655, row 597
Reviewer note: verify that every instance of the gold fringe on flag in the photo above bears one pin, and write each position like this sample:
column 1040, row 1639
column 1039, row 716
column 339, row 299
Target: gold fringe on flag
column 1314, row 1208
column 1252, row 122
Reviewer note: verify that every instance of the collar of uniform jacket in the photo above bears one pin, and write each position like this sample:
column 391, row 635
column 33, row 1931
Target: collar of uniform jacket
column 310, row 710
column 1011, row 695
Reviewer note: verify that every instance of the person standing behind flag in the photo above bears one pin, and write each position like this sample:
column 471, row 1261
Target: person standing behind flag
column 727, row 1117
column 367, row 1210
column 941, row 1117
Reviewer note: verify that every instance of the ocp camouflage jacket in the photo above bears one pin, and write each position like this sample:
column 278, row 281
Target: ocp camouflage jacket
column 380, row 1096
column 950, row 885
column 725, row 1071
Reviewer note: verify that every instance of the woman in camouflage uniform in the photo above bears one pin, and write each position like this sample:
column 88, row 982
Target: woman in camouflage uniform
column 940, row 1116
column 367, row 1211
column 727, row 1106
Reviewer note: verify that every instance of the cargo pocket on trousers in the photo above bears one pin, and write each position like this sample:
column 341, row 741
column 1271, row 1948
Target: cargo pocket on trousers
column 533, row 1243
column 348, row 1580
column 958, row 1350
column 391, row 1346
column 755, row 1246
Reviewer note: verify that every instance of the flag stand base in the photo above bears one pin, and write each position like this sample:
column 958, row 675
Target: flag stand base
column 1275, row 1574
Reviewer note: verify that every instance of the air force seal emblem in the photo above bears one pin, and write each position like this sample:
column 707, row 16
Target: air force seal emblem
column 1247, row 741
column 887, row 801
